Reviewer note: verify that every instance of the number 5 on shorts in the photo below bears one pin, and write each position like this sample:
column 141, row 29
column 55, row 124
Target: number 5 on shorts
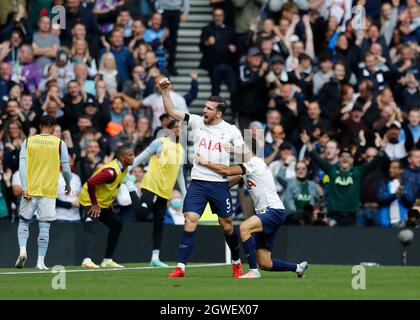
column 228, row 206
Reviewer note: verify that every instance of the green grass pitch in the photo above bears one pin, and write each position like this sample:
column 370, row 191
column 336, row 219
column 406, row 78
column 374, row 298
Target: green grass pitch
column 212, row 282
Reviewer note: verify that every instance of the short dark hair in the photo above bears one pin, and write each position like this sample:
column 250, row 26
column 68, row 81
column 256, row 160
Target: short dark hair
column 304, row 56
column 85, row 116
column 47, row 121
column 26, row 93
column 122, row 150
column 73, row 81
column 400, row 165
column 13, row 100
column 221, row 103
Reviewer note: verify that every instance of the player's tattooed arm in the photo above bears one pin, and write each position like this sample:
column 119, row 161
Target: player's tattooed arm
column 220, row 168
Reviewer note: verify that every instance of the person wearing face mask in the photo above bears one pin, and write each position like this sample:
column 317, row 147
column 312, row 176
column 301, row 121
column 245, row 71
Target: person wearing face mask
column 299, row 192
column 174, row 213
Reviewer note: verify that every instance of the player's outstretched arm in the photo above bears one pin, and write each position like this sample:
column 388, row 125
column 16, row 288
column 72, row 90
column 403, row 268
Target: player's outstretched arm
column 65, row 164
column 221, row 169
column 164, row 85
column 147, row 153
column 233, row 181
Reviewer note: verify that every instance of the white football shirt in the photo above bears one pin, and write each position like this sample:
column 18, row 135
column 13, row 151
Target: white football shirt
column 260, row 183
column 208, row 142
column 76, row 186
column 155, row 101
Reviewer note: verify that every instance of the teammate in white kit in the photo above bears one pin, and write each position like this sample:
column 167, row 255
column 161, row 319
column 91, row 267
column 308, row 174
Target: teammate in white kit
column 211, row 133
column 269, row 217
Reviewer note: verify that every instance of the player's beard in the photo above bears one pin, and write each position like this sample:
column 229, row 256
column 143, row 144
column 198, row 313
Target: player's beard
column 209, row 119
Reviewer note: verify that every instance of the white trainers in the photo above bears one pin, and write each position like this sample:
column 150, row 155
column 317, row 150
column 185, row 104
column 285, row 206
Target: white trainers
column 251, row 275
column 110, row 264
column 303, row 266
column 20, row 262
column 41, row 267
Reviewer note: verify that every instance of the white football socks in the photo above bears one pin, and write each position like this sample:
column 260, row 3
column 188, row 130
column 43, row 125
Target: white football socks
column 181, row 265
column 155, row 254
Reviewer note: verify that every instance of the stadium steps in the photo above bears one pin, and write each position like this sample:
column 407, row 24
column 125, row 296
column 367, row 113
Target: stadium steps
column 188, row 58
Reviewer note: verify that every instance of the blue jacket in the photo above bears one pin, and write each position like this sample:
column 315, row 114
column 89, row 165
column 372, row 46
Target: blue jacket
column 125, row 62
column 385, row 198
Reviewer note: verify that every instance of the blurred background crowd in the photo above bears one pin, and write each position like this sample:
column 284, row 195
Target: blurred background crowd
column 344, row 72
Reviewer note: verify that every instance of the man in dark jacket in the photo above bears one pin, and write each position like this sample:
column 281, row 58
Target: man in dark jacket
column 252, row 94
column 330, row 94
column 76, row 13
column 217, row 42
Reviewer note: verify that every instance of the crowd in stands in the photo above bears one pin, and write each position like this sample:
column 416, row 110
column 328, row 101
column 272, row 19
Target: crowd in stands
column 337, row 100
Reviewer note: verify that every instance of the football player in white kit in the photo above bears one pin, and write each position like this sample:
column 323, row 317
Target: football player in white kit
column 269, row 212
column 211, row 133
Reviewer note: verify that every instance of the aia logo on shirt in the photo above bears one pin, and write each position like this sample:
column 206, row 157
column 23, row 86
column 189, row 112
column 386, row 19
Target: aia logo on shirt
column 210, row 145
column 250, row 185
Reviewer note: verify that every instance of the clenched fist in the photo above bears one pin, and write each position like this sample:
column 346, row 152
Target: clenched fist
column 164, row 83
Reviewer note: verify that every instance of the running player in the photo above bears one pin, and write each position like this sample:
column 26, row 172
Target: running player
column 165, row 169
column 96, row 199
column 39, row 170
column 269, row 217
column 211, row 133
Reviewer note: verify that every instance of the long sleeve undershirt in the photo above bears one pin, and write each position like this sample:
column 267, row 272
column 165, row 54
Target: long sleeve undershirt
column 64, row 161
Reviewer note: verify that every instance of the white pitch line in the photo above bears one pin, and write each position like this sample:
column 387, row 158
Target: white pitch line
column 105, row 270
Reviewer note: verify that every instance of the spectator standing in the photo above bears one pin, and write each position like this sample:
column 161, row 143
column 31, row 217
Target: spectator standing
column 299, row 192
column 412, row 171
column 245, row 12
column 76, row 14
column 252, row 97
column 217, row 42
column 123, row 57
column 369, row 211
column 45, row 44
column 155, row 102
column 345, row 182
column 156, row 35
column 174, row 11
column 108, row 71
column 5, row 80
column 395, row 197
column 27, row 73
column 80, row 54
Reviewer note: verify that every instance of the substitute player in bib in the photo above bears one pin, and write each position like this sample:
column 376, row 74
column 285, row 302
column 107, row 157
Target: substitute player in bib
column 210, row 132
column 96, row 199
column 39, row 170
column 269, row 217
column 165, row 169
